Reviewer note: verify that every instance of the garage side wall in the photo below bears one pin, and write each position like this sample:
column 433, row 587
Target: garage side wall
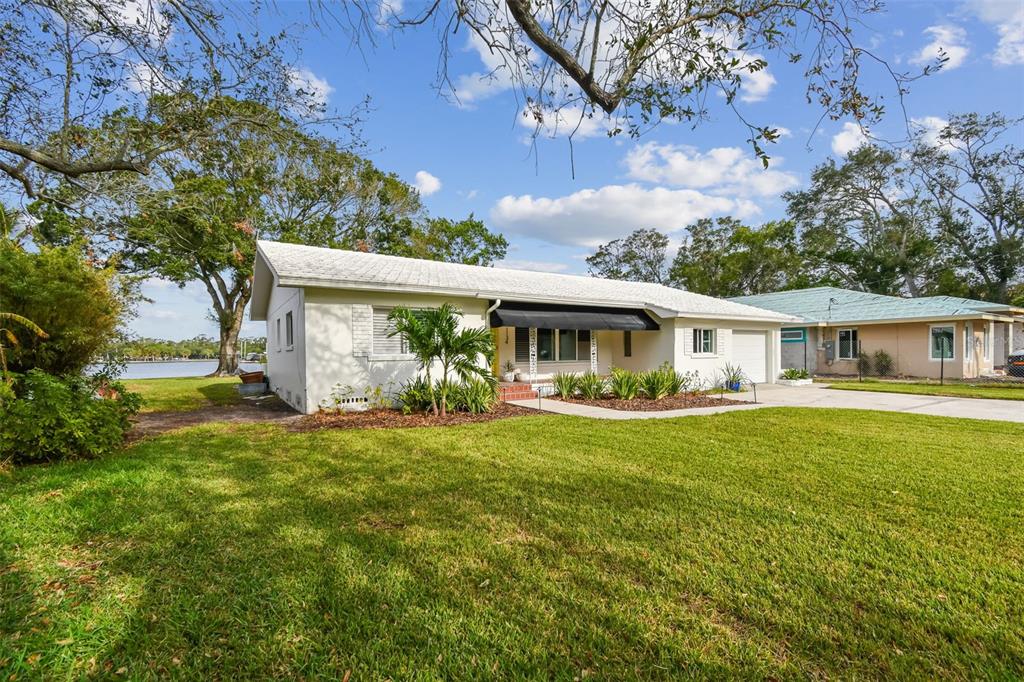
column 339, row 347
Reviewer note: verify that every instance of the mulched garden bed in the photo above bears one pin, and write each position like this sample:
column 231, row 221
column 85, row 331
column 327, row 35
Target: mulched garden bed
column 394, row 419
column 675, row 402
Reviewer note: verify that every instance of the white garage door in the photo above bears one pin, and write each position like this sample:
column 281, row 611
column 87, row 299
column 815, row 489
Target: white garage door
column 749, row 351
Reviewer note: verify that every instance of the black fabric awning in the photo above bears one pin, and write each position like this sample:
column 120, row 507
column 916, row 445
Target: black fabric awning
column 554, row 316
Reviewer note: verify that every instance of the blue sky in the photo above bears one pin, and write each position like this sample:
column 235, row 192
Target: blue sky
column 475, row 155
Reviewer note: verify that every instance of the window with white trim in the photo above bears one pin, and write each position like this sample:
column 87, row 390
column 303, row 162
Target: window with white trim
column 289, row 331
column 793, row 335
column 703, row 341
column 848, row 344
column 940, row 343
column 383, row 344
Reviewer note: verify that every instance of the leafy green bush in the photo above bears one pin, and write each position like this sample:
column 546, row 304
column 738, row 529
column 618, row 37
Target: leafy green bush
column 591, row 385
column 78, row 306
column 863, row 364
column 678, row 382
column 883, row 363
column 45, row 418
column 624, row 385
column 566, row 384
column 794, row 373
column 657, row 383
column 414, row 395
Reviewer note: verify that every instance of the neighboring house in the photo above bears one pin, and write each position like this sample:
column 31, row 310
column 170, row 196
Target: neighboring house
column 926, row 337
column 326, row 312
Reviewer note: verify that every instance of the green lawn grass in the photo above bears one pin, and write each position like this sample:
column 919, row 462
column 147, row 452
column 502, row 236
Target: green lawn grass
column 1002, row 391
column 182, row 394
column 778, row 543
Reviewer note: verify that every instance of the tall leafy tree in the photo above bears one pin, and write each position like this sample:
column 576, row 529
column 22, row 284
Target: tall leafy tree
column 724, row 257
column 640, row 257
column 465, row 241
column 867, row 224
column 974, row 174
column 269, row 180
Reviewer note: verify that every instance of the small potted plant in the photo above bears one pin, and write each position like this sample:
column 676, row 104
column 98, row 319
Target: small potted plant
column 732, row 377
column 509, row 373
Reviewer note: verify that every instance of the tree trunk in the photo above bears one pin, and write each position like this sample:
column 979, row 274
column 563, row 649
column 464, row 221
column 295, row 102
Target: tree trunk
column 230, row 328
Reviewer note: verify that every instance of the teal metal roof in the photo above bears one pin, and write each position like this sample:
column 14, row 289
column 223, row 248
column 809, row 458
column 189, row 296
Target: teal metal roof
column 836, row 306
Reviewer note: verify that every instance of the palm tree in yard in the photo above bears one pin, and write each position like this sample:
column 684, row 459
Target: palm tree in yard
column 5, row 332
column 433, row 336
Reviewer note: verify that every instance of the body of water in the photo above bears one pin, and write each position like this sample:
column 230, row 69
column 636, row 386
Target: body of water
column 178, row 368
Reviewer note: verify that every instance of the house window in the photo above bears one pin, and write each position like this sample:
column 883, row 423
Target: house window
column 848, row 344
column 627, row 344
column 545, row 345
column 289, row 330
column 277, row 335
column 567, row 345
column 795, row 335
column 553, row 345
column 941, row 343
column 704, row 341
column 383, row 344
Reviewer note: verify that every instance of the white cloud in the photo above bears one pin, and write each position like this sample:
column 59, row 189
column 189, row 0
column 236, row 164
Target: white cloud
column 388, row 10
column 1007, row 17
column 426, row 183
column 756, row 85
column 564, row 122
column 591, row 217
column 848, row 139
column 471, row 194
column 783, row 131
column 728, row 170
column 473, row 87
column 947, row 40
column 929, row 128
column 144, row 79
column 534, row 265
column 308, row 84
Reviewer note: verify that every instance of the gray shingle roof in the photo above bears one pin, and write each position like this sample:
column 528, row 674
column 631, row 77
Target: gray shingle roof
column 835, row 305
column 297, row 265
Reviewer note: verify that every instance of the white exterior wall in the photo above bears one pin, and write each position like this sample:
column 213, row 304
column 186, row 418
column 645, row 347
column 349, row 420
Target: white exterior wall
column 286, row 369
column 339, row 330
column 709, row 366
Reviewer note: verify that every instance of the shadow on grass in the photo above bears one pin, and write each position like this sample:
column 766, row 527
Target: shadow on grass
column 628, row 551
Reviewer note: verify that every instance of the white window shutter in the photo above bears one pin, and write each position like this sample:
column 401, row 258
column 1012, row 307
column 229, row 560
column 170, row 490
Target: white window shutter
column 383, row 344
column 362, row 330
column 687, row 341
column 720, row 341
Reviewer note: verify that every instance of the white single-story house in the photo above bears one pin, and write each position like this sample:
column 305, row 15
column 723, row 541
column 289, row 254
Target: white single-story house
column 326, row 312
column 928, row 336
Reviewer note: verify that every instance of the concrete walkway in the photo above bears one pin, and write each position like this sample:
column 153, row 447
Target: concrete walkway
column 817, row 395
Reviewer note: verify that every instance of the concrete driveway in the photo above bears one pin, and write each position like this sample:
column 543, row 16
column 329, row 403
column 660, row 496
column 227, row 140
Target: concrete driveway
column 819, row 395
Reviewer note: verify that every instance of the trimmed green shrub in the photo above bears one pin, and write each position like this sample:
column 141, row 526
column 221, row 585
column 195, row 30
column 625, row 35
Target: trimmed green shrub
column 566, row 384
column 794, row 373
column 414, row 395
column 883, row 363
column 657, row 383
column 44, row 418
column 474, row 395
column 591, row 385
column 624, row 385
